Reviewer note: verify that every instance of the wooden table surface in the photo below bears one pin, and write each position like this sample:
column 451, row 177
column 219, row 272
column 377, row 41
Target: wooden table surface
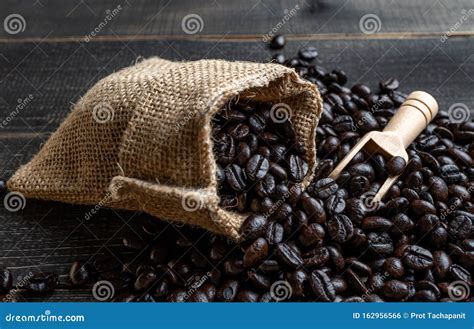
column 47, row 58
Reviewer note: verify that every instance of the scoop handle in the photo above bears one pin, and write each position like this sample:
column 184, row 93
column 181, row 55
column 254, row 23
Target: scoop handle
column 413, row 116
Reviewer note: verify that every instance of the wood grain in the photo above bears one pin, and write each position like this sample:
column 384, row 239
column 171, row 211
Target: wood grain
column 59, row 18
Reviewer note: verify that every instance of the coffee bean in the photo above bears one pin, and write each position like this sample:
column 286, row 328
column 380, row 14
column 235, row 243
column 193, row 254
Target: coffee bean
column 256, row 253
column 322, row 286
column 460, row 227
column 43, row 282
column 297, row 280
column 274, row 233
column 395, row 290
column 380, row 243
column 80, row 273
column 308, row 53
column 323, row 188
column 278, row 42
column 417, row 258
column 6, row 281
column 340, row 228
column 227, row 292
column 389, row 84
column 313, row 209
column 316, row 257
column 395, row 166
column 288, row 255
column 376, row 223
column 394, row 267
column 253, row 226
column 298, row 168
column 257, row 167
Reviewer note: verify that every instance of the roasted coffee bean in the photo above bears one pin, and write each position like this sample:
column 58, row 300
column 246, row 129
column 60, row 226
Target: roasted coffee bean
column 355, row 281
column 458, row 272
column 417, row 258
column 6, row 281
column 274, row 233
column 288, row 255
column 421, row 207
column 380, row 243
column 389, row 85
column 395, row 290
column 228, row 291
column 256, row 253
column 42, row 282
column 322, row 286
column 297, row 280
column 376, row 223
column 340, row 228
column 335, row 204
column 316, row 257
column 396, row 165
column 308, row 53
column 234, row 266
column 461, row 227
column 253, row 226
column 80, row 273
column 394, row 267
column 259, row 281
column 298, row 168
column 323, row 188
column 278, row 42
column 235, row 177
column 257, row 167
column 362, row 169
column 313, row 209
column 441, row 264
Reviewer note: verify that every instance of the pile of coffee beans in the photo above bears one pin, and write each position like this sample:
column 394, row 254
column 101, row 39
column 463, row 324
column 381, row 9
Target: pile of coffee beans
column 331, row 242
column 259, row 159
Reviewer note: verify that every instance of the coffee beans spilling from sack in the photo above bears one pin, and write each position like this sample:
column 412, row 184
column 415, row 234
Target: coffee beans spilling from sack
column 331, row 242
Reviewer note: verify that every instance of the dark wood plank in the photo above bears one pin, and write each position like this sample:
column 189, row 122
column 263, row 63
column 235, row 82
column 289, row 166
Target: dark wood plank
column 49, row 236
column 56, row 18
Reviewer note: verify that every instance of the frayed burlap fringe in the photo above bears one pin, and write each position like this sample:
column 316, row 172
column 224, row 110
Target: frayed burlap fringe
column 140, row 139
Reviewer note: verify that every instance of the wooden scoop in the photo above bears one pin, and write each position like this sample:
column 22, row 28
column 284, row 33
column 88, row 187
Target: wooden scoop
column 408, row 122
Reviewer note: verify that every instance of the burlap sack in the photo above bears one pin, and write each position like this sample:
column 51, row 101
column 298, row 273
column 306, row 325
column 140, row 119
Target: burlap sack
column 140, row 139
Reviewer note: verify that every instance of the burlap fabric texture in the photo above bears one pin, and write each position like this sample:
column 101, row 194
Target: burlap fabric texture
column 140, row 139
